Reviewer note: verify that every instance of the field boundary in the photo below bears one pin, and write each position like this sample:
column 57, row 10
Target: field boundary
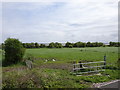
column 89, row 67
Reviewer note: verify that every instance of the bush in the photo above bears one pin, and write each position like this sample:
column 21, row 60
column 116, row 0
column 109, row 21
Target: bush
column 14, row 51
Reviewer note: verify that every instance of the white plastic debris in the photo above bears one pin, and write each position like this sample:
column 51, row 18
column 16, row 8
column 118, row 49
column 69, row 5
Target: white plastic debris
column 53, row 60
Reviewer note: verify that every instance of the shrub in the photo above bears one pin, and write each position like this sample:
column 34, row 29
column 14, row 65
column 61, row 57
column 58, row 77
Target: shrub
column 14, row 51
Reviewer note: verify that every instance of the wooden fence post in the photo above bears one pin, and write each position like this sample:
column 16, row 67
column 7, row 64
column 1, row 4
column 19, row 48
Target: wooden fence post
column 104, row 61
column 81, row 66
column 74, row 67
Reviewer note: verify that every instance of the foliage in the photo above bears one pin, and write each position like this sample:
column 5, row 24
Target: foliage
column 51, row 45
column 29, row 57
column 68, row 44
column 36, row 45
column 52, row 78
column 57, row 74
column 55, row 45
column 58, row 45
column 14, row 51
column 30, row 45
column 94, row 44
column 42, row 46
column 40, row 78
column 80, row 44
column 115, row 44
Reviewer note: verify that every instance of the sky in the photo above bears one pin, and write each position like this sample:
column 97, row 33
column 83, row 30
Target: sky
column 60, row 21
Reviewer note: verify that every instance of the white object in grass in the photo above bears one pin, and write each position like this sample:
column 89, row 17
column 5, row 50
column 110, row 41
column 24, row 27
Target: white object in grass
column 53, row 60
column 46, row 60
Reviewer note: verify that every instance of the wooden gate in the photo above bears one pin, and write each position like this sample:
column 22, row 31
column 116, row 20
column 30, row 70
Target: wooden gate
column 89, row 67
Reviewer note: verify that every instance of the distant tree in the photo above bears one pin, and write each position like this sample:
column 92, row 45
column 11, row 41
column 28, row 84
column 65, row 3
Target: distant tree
column 14, row 51
column 118, row 44
column 83, row 44
column 32, row 45
column 42, row 46
column 28, row 45
column 88, row 44
column 79, row 44
column 100, row 44
column 111, row 43
column 58, row 45
column 74, row 44
column 36, row 45
column 68, row 44
column 51, row 45
column 115, row 44
column 96, row 44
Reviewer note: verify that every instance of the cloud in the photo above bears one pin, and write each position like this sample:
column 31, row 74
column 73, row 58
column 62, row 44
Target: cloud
column 72, row 1
column 61, row 21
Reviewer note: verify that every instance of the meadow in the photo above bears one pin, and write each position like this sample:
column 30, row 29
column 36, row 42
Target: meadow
column 67, row 55
column 47, row 73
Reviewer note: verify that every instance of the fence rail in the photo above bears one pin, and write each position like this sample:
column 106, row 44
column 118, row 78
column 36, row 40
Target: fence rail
column 88, row 67
column 90, row 62
column 89, row 71
column 80, row 68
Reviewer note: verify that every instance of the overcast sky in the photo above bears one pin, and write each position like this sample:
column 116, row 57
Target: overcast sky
column 63, row 21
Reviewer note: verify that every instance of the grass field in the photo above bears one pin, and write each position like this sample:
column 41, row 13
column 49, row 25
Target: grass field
column 76, row 54
column 57, row 74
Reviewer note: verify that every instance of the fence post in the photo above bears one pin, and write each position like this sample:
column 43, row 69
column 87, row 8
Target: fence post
column 81, row 66
column 104, row 61
column 74, row 66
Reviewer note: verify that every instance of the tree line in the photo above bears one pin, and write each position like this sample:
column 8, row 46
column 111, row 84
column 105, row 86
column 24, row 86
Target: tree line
column 59, row 45
column 115, row 44
column 14, row 49
column 67, row 45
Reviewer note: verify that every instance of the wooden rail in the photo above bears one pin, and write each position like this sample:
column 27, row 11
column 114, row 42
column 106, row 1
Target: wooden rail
column 89, row 62
column 88, row 67
column 80, row 68
column 89, row 71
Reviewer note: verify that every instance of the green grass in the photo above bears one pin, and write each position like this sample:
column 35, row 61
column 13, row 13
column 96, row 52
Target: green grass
column 52, row 78
column 77, row 54
column 58, row 74
column 42, row 78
